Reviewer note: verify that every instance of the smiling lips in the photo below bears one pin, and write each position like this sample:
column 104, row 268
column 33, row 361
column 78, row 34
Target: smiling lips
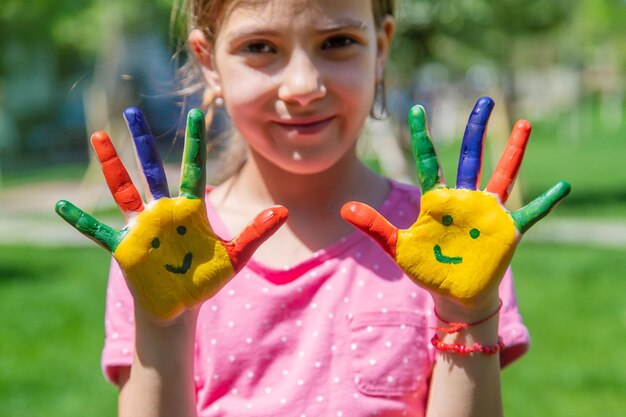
column 305, row 126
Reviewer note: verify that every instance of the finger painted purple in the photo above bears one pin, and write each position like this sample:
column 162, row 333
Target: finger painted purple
column 147, row 152
column 470, row 161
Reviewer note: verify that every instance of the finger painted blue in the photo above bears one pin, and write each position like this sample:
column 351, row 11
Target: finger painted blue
column 148, row 152
column 470, row 160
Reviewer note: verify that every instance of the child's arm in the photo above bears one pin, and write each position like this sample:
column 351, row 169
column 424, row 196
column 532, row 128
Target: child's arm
column 171, row 259
column 160, row 381
column 458, row 250
column 467, row 385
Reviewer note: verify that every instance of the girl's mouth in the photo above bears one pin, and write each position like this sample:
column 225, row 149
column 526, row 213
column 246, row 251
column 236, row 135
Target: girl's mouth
column 305, row 126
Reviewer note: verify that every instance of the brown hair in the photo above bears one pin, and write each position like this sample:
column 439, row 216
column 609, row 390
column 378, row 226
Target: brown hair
column 206, row 15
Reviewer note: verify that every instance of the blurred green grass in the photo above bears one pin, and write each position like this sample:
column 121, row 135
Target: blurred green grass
column 571, row 298
column 51, row 319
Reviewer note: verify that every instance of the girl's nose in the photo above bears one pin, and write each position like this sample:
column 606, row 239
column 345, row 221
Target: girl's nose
column 301, row 81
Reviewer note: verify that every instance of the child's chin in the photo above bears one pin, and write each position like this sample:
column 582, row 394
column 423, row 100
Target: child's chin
column 307, row 162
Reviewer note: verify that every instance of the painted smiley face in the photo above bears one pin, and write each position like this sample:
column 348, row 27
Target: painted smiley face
column 169, row 253
column 460, row 242
column 186, row 263
column 448, row 220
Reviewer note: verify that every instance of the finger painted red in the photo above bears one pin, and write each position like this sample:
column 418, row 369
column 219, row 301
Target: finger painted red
column 370, row 222
column 121, row 186
column 504, row 176
column 241, row 248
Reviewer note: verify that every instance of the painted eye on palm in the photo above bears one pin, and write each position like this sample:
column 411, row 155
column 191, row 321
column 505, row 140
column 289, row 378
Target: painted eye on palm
column 464, row 238
column 168, row 252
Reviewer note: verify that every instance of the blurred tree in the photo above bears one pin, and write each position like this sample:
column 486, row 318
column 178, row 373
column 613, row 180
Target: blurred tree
column 460, row 34
column 47, row 54
column 48, row 48
column 77, row 26
column 596, row 41
column 597, row 24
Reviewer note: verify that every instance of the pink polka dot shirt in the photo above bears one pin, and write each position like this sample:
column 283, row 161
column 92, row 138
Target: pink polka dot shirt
column 344, row 333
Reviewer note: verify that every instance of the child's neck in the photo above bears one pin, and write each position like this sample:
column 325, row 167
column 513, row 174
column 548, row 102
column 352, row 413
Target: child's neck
column 313, row 201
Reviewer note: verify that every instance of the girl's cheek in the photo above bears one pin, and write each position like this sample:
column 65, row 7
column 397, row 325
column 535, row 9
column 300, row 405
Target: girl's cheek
column 247, row 89
column 354, row 75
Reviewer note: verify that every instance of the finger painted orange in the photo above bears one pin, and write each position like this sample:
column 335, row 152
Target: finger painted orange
column 121, row 186
column 452, row 251
column 506, row 171
column 171, row 258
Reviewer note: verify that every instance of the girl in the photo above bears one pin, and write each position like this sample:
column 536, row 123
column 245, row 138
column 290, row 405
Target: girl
column 320, row 322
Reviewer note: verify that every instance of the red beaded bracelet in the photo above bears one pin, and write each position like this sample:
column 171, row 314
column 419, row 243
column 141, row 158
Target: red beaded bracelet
column 464, row 350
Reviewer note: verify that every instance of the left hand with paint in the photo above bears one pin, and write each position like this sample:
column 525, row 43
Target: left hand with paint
column 464, row 238
column 170, row 256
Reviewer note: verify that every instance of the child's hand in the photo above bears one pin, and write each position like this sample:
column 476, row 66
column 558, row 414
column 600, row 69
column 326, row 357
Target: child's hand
column 464, row 238
column 168, row 252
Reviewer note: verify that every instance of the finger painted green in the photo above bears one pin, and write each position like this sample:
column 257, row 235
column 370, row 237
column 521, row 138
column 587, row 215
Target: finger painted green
column 193, row 177
column 104, row 235
column 423, row 150
column 539, row 208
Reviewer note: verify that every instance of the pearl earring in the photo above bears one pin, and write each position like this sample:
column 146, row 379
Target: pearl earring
column 219, row 101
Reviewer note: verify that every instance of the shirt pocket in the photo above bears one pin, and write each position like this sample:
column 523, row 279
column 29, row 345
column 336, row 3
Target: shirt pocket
column 389, row 352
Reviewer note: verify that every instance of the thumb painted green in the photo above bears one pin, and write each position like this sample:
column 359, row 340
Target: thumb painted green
column 423, row 150
column 193, row 177
column 537, row 209
column 104, row 235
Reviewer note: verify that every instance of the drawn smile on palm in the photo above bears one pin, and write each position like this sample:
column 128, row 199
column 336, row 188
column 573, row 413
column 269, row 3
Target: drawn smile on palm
column 440, row 257
column 447, row 220
column 183, row 268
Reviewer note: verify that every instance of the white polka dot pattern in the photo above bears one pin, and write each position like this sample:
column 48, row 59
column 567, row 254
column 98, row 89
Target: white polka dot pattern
column 379, row 369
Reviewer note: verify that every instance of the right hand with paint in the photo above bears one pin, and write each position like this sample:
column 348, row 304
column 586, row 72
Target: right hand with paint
column 464, row 238
column 170, row 256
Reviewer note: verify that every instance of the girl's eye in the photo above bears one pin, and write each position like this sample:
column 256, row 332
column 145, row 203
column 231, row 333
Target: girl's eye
column 258, row 48
column 338, row 42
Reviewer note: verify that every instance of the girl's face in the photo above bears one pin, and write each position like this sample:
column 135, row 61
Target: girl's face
column 298, row 76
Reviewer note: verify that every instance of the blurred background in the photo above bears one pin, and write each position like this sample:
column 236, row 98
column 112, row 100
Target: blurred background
column 70, row 67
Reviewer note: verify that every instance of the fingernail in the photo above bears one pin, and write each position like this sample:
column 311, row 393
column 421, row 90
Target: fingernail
column 268, row 215
column 482, row 110
column 417, row 118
